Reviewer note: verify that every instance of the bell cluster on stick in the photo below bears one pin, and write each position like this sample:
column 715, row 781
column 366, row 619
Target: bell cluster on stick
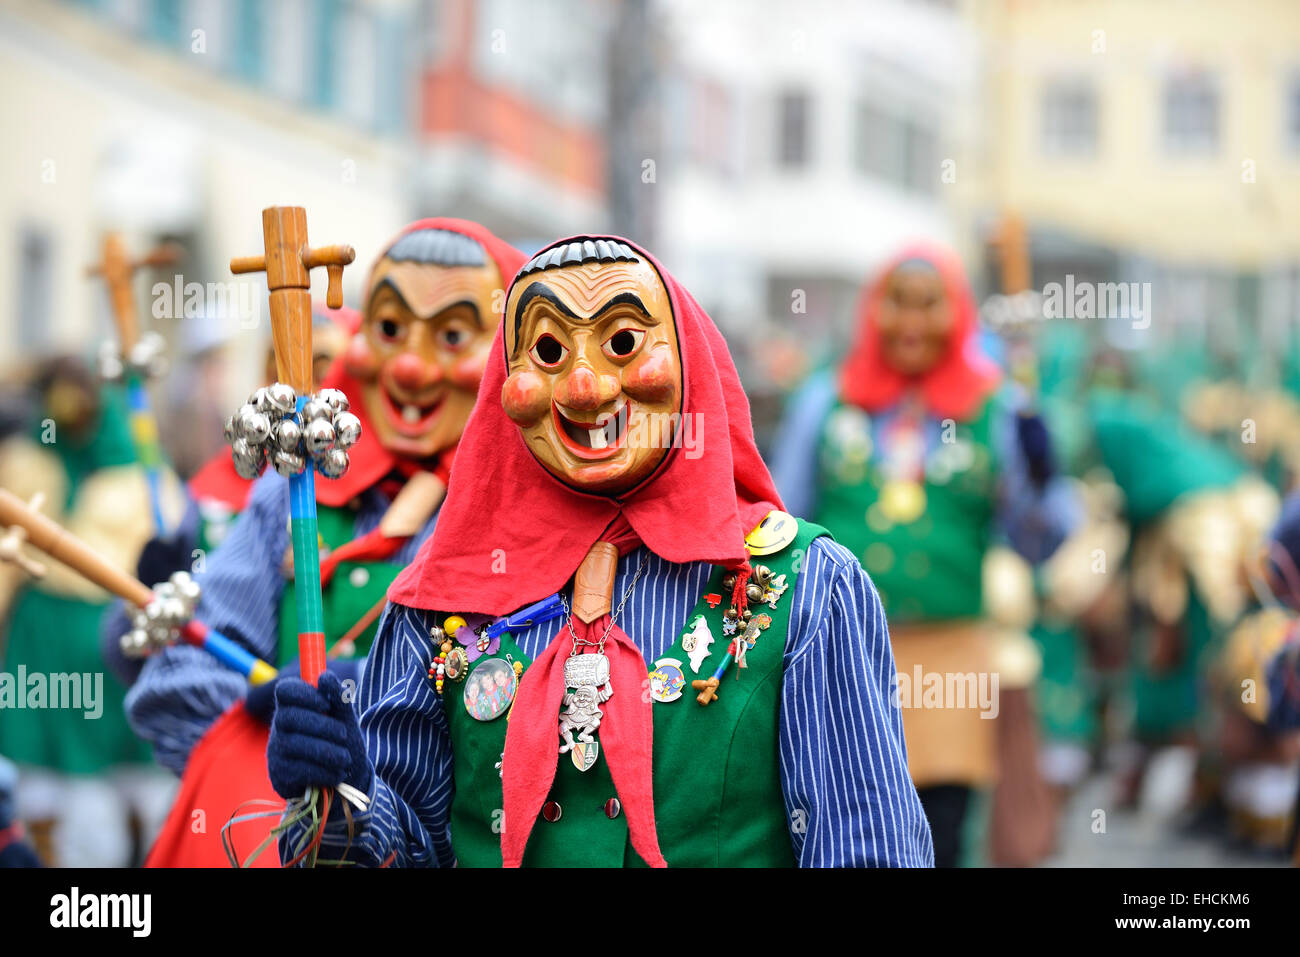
column 147, row 359
column 270, row 429
column 156, row 625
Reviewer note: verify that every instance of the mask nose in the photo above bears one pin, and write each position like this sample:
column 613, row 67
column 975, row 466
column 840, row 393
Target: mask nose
column 585, row 389
column 413, row 374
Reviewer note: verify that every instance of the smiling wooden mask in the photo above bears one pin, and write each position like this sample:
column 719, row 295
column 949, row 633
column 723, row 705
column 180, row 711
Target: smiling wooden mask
column 595, row 372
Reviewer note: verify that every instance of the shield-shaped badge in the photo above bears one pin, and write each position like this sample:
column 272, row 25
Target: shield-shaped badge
column 584, row 755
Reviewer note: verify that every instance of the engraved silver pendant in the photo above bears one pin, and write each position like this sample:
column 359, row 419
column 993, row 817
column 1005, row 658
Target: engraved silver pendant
column 588, row 677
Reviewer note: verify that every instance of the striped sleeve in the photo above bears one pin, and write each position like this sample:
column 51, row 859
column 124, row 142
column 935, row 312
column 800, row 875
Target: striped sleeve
column 182, row 690
column 843, row 759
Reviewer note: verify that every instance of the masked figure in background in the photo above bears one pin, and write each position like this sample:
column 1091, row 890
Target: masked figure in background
column 1258, row 680
column 1198, row 517
column 217, row 494
column 916, row 464
column 83, row 773
column 432, row 305
column 609, row 472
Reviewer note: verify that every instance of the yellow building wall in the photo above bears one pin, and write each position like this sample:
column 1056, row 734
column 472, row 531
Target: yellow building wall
column 1132, row 193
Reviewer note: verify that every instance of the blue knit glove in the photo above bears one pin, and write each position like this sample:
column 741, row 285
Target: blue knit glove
column 315, row 739
column 1036, row 444
column 260, row 700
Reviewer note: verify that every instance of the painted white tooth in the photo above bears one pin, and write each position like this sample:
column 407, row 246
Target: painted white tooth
column 598, row 439
column 411, row 413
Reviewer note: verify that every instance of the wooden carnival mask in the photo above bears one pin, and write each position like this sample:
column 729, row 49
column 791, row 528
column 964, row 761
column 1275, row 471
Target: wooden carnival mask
column 915, row 318
column 594, row 369
column 423, row 343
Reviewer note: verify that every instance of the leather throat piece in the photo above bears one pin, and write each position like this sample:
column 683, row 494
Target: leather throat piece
column 593, row 584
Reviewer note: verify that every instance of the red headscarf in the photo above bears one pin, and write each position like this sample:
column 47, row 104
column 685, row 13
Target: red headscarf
column 689, row 509
column 958, row 383
column 371, row 462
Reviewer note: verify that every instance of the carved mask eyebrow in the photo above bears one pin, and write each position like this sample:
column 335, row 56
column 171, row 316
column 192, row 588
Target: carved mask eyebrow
column 539, row 290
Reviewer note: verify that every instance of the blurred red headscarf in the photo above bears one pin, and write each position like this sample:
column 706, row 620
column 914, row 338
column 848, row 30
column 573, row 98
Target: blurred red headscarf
column 692, row 508
column 957, row 385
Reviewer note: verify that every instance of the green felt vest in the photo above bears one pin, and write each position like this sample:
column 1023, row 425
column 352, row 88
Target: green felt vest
column 348, row 596
column 944, row 545
column 717, row 780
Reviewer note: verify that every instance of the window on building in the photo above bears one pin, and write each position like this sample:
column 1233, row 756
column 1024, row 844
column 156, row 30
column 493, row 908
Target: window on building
column 878, row 143
column 902, row 151
column 1191, row 108
column 793, row 109
column 356, row 77
column 1069, row 118
column 289, row 25
column 35, row 288
column 1293, row 113
column 920, row 157
column 713, row 118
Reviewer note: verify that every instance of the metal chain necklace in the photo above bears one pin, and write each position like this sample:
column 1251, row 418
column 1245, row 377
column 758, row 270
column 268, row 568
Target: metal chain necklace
column 627, row 593
column 588, row 676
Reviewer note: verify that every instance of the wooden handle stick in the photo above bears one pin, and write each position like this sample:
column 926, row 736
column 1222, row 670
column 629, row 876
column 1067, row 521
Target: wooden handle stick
column 287, row 259
column 118, row 269
column 56, row 541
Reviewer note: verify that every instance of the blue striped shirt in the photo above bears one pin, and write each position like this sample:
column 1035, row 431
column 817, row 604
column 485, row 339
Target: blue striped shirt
column 843, row 760
column 183, row 690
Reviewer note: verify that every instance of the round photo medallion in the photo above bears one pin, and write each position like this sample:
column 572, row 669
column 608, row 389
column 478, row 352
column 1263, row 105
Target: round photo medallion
column 489, row 689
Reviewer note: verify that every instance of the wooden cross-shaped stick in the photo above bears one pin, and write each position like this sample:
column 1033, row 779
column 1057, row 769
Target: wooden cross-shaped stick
column 117, row 268
column 287, row 262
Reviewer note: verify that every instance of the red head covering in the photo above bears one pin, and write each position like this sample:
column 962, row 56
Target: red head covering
column 690, row 509
column 957, row 384
column 371, row 462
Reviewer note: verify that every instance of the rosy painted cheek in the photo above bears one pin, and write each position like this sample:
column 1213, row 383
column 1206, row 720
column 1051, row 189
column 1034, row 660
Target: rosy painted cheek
column 468, row 372
column 652, row 378
column 359, row 360
column 525, row 397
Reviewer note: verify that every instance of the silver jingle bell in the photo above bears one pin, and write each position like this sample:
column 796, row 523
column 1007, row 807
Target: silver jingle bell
column 228, row 430
column 333, row 464
column 255, row 427
column 110, row 363
column 134, row 643
column 260, row 400
column 287, row 464
column 319, row 436
column 313, row 409
column 248, row 462
column 287, row 435
column 282, row 397
column 186, row 588
column 173, row 611
column 335, row 399
column 347, row 430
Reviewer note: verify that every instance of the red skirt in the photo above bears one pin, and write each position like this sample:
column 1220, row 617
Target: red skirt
column 227, row 769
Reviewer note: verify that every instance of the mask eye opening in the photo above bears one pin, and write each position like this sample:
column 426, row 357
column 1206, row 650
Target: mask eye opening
column 548, row 351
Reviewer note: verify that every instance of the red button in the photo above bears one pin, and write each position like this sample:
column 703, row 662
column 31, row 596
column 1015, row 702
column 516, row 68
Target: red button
column 551, row 810
column 612, row 808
